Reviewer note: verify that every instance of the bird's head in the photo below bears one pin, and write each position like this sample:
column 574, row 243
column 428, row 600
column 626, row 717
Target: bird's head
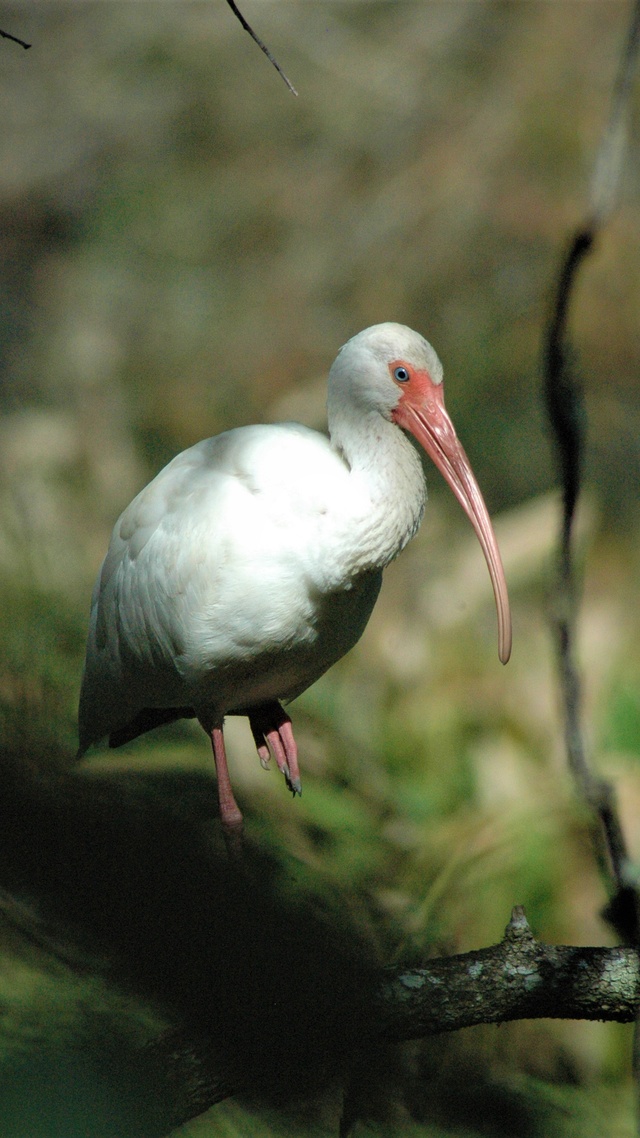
column 394, row 371
column 362, row 371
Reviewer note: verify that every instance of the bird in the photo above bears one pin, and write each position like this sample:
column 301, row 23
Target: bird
column 252, row 562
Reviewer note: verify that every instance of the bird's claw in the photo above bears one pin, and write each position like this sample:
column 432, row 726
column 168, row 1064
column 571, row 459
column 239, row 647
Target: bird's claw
column 294, row 785
column 264, row 755
column 273, row 733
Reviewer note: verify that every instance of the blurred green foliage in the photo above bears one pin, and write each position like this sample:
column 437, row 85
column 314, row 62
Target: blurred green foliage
column 184, row 246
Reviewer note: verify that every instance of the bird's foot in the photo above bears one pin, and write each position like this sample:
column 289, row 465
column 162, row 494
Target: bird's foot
column 273, row 733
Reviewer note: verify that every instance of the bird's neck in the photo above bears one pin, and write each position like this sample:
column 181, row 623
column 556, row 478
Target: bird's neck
column 388, row 491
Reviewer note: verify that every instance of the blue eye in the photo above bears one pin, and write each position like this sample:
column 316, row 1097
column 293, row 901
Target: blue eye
column 401, row 374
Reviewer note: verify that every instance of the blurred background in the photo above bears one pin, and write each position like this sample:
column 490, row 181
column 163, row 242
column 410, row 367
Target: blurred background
column 183, row 248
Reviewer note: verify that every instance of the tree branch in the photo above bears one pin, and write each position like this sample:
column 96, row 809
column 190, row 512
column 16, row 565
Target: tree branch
column 520, row 978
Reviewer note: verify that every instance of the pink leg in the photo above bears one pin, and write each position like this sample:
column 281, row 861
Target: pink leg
column 230, row 815
column 271, row 727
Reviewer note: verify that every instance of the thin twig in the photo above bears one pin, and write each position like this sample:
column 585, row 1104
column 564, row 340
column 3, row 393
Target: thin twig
column 8, row 36
column 263, row 47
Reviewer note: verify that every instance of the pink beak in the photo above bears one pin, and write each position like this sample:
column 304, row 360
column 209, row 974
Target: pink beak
column 421, row 411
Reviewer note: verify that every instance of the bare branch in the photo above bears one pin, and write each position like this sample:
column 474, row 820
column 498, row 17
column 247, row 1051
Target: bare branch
column 520, row 978
column 564, row 394
column 565, row 405
column 8, row 36
column 263, row 47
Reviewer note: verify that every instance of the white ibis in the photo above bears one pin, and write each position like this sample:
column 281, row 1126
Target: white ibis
column 252, row 562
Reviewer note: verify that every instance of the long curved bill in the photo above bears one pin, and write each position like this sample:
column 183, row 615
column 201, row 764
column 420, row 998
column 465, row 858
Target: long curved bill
column 427, row 420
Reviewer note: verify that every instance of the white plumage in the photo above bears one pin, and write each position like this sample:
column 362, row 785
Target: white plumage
column 252, row 562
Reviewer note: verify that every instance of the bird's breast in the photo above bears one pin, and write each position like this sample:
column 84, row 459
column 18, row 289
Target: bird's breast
column 277, row 650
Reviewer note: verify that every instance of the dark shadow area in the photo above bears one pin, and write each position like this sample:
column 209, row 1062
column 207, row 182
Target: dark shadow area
column 126, row 878
column 169, row 977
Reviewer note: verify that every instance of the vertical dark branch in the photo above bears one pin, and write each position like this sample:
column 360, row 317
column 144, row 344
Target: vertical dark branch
column 564, row 395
